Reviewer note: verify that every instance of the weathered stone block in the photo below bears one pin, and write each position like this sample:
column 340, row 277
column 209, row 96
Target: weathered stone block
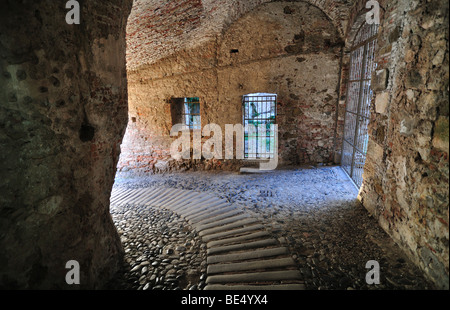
column 441, row 134
column 382, row 102
column 414, row 79
column 380, row 80
column 407, row 126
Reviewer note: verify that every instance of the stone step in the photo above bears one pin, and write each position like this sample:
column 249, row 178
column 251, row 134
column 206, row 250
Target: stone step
column 118, row 200
column 159, row 196
column 168, row 195
column 278, row 287
column 228, row 227
column 267, row 276
column 181, row 202
column 228, row 220
column 145, row 196
column 220, row 217
column 241, row 246
column 255, row 254
column 117, row 194
column 185, row 196
column 233, row 232
column 193, row 204
column 256, row 235
column 207, row 214
column 204, row 206
column 252, row 265
column 132, row 197
column 152, row 195
column 237, row 244
column 174, row 196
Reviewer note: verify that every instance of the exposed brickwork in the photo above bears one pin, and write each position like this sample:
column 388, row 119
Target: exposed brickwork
column 297, row 57
column 63, row 102
column 157, row 29
column 406, row 176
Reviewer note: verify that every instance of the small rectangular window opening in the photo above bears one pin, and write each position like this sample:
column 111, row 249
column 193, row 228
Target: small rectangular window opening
column 186, row 111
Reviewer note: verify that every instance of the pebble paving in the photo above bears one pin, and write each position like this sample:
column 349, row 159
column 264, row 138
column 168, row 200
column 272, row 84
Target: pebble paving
column 291, row 229
column 232, row 239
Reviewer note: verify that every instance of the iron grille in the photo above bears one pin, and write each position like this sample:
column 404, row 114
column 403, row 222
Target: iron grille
column 191, row 113
column 259, row 110
column 359, row 96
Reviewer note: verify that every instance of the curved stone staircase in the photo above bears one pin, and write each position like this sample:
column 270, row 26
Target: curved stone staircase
column 241, row 253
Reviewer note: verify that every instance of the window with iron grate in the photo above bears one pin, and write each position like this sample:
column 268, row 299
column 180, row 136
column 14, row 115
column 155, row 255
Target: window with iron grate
column 186, row 111
column 260, row 111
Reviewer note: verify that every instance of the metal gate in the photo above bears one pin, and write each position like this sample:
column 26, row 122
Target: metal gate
column 259, row 110
column 359, row 96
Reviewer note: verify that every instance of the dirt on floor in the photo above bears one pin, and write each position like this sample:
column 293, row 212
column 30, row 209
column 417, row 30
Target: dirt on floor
column 313, row 211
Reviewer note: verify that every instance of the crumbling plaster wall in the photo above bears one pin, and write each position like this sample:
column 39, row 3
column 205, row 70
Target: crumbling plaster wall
column 159, row 28
column 63, row 113
column 287, row 48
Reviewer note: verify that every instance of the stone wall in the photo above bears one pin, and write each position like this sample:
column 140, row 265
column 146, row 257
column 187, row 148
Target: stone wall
column 297, row 56
column 406, row 179
column 63, row 112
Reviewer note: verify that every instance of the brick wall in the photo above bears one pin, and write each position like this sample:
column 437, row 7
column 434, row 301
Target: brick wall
column 297, row 56
column 157, row 29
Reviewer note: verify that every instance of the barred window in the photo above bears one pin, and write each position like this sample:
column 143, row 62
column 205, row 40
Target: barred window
column 186, row 111
column 260, row 111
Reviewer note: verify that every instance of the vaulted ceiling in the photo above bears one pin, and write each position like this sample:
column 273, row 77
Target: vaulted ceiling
column 159, row 28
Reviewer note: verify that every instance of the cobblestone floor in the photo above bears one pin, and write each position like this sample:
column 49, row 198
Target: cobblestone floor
column 313, row 211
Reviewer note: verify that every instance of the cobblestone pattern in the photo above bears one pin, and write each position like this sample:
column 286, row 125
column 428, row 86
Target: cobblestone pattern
column 314, row 212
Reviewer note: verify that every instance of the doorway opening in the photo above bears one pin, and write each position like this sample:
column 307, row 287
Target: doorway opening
column 359, row 96
column 259, row 110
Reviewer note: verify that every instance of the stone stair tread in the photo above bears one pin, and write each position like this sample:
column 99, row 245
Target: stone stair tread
column 156, row 197
column 168, row 195
column 276, row 287
column 128, row 197
column 210, row 215
column 203, row 207
column 194, row 199
column 250, row 236
column 241, row 253
column 185, row 196
column 251, row 265
column 227, row 227
column 146, row 196
column 194, row 206
column 174, row 196
column 254, row 254
column 233, row 232
column 232, row 219
column 242, row 246
column 265, row 276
